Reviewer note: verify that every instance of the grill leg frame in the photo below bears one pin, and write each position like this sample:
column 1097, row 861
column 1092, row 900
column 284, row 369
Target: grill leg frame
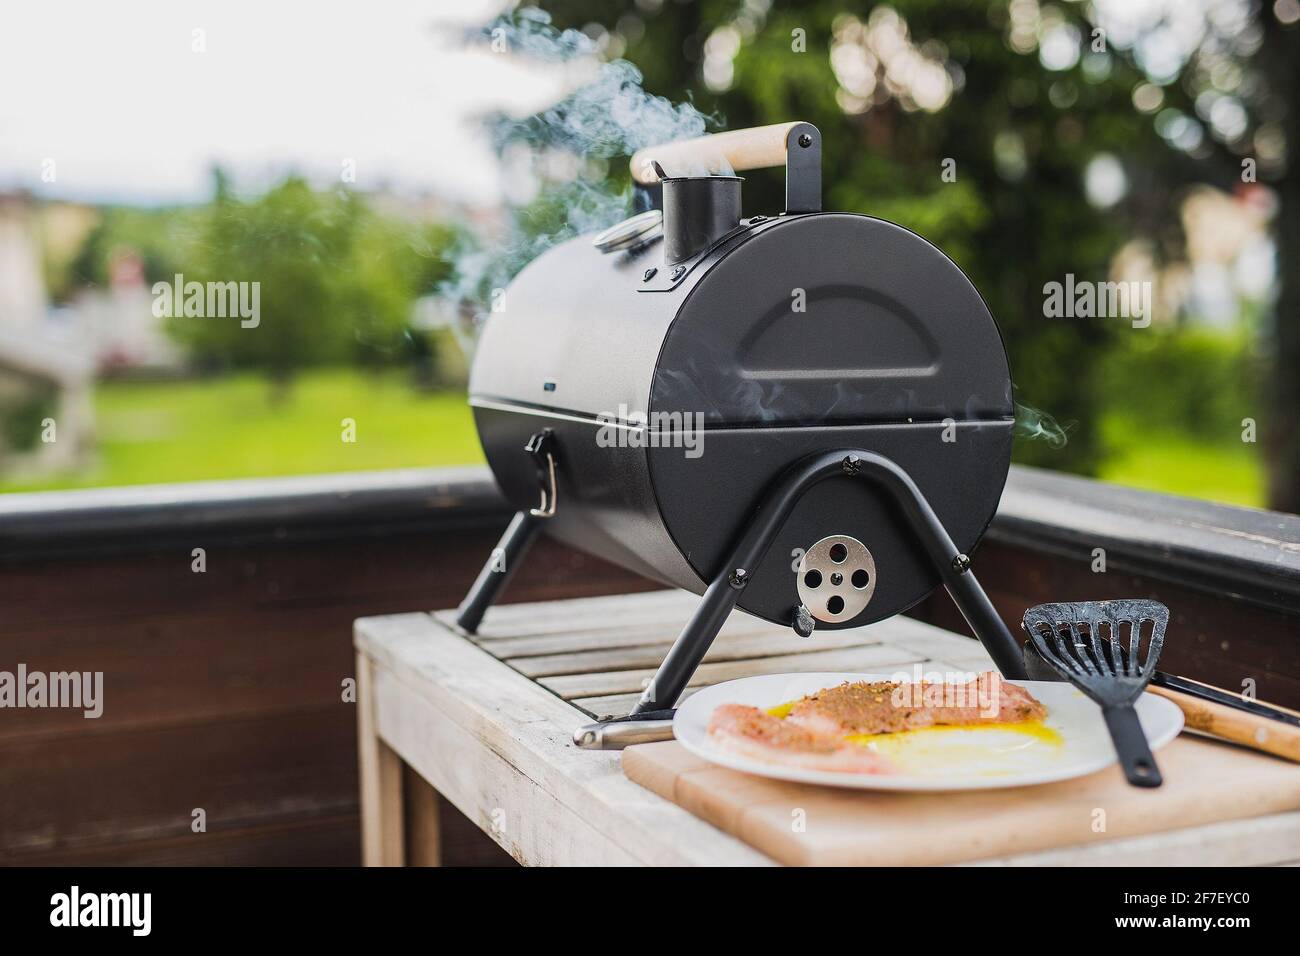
column 499, row 569
column 954, row 568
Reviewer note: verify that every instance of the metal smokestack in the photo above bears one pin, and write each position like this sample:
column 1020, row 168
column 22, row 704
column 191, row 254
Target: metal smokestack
column 698, row 211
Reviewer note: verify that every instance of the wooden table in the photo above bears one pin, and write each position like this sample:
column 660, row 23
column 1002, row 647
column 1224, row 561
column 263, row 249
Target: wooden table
column 486, row 723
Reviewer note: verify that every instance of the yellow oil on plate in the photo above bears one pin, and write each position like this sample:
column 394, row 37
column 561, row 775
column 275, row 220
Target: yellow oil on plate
column 988, row 750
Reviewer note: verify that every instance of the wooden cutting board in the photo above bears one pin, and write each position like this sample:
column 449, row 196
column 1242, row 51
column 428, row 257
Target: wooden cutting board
column 1205, row 782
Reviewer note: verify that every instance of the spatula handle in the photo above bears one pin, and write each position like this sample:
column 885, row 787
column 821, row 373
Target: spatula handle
column 1131, row 746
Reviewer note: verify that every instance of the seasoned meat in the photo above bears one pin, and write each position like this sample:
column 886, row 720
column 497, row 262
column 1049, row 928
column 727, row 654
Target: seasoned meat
column 756, row 733
column 884, row 707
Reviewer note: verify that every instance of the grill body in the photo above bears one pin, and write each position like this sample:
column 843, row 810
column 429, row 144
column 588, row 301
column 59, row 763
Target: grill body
column 789, row 336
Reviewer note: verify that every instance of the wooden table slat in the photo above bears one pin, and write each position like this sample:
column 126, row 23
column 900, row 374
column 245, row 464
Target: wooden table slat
column 552, row 617
column 725, row 648
column 873, row 657
column 618, row 705
column 620, row 635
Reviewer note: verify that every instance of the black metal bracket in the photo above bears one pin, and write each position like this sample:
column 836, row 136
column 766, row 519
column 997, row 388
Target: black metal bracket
column 724, row 591
column 803, row 169
column 803, row 174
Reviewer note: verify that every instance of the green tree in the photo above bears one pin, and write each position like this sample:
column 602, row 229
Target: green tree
column 336, row 280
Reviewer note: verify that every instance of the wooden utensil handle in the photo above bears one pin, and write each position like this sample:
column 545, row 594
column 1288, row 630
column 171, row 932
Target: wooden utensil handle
column 1251, row 730
column 754, row 148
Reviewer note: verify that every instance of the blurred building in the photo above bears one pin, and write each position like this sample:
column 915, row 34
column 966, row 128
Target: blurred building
column 46, row 414
column 117, row 325
column 1230, row 251
column 1229, row 261
column 22, row 284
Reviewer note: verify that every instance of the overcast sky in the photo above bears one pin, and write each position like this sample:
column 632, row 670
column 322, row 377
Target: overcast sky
column 117, row 96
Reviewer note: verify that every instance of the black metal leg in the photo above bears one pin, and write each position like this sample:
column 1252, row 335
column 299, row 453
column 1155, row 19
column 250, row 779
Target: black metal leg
column 501, row 565
column 724, row 591
column 978, row 611
column 689, row 649
column 954, row 567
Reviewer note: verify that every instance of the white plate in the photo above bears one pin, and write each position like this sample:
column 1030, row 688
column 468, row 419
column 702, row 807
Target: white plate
column 953, row 759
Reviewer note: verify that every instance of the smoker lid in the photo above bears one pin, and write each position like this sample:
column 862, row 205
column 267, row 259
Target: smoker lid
column 630, row 233
column 833, row 318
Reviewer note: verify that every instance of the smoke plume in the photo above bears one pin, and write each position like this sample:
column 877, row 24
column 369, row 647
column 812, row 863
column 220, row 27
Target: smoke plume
column 1034, row 424
column 567, row 150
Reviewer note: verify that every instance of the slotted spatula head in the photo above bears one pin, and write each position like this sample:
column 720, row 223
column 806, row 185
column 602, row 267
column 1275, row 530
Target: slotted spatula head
column 1098, row 645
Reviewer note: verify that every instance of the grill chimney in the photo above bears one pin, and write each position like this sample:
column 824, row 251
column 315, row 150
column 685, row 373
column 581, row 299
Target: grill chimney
column 698, row 211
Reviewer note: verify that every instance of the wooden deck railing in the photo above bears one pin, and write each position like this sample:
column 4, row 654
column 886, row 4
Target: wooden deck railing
column 225, row 688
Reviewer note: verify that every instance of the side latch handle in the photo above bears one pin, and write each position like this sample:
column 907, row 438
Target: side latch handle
column 541, row 446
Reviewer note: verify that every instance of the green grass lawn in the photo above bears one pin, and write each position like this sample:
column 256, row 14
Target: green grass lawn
column 230, row 428
column 1163, row 461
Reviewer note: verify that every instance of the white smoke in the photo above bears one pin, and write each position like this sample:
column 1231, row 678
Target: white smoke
column 1034, row 424
column 568, row 151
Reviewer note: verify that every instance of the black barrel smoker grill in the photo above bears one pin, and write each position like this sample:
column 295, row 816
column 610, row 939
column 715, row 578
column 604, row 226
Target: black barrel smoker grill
column 806, row 415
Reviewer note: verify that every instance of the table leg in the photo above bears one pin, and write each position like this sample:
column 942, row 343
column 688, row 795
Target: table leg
column 382, row 838
column 423, row 824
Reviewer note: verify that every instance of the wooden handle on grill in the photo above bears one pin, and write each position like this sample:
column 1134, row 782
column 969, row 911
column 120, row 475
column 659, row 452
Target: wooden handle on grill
column 755, row 148
column 1250, row 730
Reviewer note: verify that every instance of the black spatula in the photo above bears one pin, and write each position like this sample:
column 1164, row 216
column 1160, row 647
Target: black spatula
column 1096, row 646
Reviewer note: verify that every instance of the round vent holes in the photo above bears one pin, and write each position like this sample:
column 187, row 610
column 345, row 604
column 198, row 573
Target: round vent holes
column 837, row 578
